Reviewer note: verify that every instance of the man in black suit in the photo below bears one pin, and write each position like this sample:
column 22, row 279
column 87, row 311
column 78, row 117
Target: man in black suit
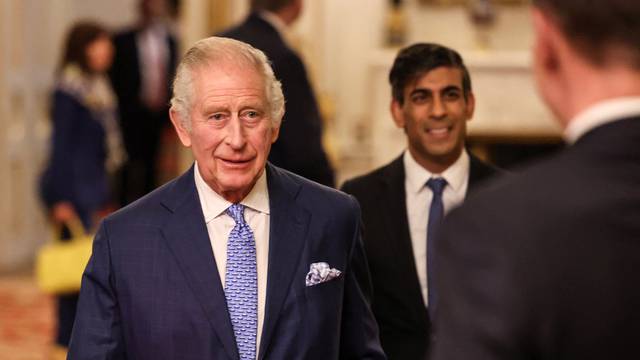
column 299, row 147
column 141, row 74
column 432, row 102
column 545, row 265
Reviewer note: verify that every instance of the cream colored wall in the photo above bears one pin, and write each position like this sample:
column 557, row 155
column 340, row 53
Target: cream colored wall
column 24, row 83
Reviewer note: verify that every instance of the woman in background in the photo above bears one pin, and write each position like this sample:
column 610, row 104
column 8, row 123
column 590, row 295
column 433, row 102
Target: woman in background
column 86, row 146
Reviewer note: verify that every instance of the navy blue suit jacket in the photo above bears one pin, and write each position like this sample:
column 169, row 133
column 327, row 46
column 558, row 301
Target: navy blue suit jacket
column 76, row 170
column 299, row 146
column 152, row 291
column 542, row 265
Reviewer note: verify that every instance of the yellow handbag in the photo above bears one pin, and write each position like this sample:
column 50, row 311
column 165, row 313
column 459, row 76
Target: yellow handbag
column 60, row 264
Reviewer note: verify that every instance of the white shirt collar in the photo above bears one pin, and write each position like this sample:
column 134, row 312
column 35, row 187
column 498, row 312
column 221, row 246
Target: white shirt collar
column 213, row 204
column 601, row 113
column 277, row 23
column 417, row 176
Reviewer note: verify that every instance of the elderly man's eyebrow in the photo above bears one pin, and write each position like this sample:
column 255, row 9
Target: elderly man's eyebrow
column 212, row 107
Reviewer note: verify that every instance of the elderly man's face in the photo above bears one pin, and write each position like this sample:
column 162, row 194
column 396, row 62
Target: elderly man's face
column 231, row 129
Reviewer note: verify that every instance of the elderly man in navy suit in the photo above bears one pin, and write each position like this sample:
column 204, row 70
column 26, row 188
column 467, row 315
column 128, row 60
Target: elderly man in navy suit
column 235, row 259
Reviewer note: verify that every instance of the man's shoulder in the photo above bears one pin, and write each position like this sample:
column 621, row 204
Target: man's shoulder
column 481, row 167
column 253, row 29
column 535, row 189
column 314, row 196
column 125, row 35
column 153, row 208
column 480, row 172
column 375, row 178
column 261, row 35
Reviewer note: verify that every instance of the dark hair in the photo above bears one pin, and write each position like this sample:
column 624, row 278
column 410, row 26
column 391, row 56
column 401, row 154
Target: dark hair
column 80, row 36
column 269, row 5
column 418, row 59
column 596, row 27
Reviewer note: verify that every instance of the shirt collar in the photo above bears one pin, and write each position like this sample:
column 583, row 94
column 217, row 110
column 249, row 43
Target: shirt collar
column 417, row 176
column 599, row 114
column 213, row 204
column 281, row 28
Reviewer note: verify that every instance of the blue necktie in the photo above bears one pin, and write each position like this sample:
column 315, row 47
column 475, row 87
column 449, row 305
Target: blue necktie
column 436, row 213
column 241, row 284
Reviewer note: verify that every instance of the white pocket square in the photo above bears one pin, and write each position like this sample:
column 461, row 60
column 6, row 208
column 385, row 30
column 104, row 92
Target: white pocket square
column 321, row 272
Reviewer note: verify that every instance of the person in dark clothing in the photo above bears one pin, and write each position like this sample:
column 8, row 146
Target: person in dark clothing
column 141, row 75
column 432, row 101
column 299, row 148
column 86, row 143
column 543, row 265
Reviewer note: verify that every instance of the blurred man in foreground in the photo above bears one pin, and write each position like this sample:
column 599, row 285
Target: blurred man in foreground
column 544, row 265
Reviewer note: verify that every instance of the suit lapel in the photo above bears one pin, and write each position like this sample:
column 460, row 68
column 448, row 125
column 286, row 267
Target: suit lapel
column 397, row 226
column 186, row 235
column 288, row 228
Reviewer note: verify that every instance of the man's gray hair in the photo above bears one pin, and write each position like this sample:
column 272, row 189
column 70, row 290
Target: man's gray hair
column 218, row 50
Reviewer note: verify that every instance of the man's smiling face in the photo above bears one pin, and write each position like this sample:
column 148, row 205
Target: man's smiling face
column 434, row 115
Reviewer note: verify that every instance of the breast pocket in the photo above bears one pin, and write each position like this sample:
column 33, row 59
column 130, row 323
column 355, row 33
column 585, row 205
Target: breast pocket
column 326, row 294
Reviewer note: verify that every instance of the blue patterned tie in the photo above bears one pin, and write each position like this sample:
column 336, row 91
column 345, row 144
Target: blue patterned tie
column 241, row 284
column 436, row 213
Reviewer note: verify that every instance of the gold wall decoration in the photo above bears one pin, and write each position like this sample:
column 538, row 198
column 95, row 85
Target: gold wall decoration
column 219, row 18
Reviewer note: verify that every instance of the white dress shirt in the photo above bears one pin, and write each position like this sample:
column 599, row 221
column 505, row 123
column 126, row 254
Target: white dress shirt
column 601, row 113
column 219, row 226
column 153, row 62
column 419, row 196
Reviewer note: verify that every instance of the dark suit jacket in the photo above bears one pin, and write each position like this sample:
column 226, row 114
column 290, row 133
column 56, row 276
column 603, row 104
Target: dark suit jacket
column 140, row 126
column 152, row 291
column 299, row 146
column 545, row 266
column 397, row 302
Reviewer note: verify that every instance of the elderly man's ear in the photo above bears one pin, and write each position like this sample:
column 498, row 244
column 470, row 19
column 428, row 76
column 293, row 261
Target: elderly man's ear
column 275, row 132
column 178, row 123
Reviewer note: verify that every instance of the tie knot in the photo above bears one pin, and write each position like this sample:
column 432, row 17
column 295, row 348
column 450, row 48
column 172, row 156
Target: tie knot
column 437, row 185
column 236, row 211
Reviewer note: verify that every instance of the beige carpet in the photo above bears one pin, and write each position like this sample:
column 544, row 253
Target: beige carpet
column 26, row 320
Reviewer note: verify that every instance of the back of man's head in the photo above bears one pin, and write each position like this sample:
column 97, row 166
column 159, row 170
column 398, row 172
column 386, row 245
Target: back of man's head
column 269, row 5
column 418, row 59
column 598, row 29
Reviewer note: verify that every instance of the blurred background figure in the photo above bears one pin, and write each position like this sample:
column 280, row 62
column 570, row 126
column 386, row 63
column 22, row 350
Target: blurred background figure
column 299, row 147
column 86, row 143
column 143, row 67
